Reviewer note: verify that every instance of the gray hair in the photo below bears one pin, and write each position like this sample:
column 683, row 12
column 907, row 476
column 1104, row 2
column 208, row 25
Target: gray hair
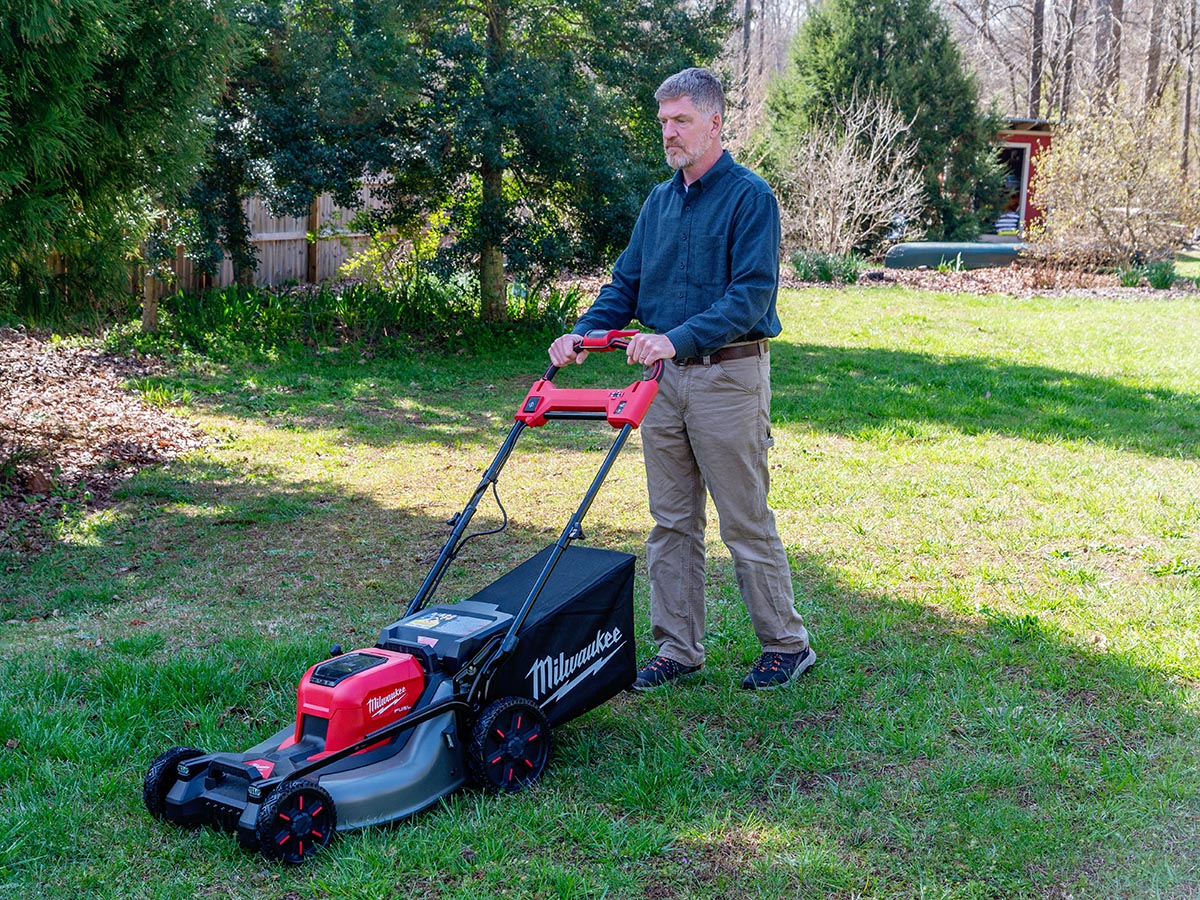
column 701, row 85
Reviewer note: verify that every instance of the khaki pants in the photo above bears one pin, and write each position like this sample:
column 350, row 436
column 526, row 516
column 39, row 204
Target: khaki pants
column 709, row 429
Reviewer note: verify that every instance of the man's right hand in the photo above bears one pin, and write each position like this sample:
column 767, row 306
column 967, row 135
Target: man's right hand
column 562, row 351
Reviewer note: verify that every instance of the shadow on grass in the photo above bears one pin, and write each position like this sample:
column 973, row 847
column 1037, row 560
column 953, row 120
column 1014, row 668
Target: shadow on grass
column 858, row 391
column 469, row 403
column 938, row 754
column 454, row 402
column 990, row 756
column 204, row 532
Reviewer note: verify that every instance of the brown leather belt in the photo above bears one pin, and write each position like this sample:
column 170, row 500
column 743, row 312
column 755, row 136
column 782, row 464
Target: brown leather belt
column 737, row 351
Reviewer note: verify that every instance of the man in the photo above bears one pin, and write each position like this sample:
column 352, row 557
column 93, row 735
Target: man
column 701, row 271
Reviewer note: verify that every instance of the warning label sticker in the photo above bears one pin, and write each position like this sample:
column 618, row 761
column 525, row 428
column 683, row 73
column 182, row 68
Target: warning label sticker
column 448, row 623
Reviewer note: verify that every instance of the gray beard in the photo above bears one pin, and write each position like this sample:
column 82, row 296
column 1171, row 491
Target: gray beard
column 682, row 162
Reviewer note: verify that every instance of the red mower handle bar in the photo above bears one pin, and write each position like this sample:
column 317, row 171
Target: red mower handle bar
column 627, row 406
column 597, row 341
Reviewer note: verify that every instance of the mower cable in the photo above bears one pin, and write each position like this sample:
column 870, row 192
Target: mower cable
column 503, row 523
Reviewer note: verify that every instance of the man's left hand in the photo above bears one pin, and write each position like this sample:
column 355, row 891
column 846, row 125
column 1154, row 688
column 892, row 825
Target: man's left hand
column 647, row 349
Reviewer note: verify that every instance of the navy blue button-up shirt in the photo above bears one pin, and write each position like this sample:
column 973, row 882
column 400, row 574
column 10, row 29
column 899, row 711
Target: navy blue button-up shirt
column 702, row 265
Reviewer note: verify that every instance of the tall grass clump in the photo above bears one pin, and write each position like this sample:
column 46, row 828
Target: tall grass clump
column 827, row 268
column 1160, row 273
column 1129, row 276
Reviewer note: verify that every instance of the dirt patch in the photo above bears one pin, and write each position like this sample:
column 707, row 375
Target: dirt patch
column 70, row 431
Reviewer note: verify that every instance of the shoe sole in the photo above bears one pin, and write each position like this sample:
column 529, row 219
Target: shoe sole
column 807, row 663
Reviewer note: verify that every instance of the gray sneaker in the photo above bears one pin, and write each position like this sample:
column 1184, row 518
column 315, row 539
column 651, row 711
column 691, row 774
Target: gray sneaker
column 659, row 671
column 776, row 669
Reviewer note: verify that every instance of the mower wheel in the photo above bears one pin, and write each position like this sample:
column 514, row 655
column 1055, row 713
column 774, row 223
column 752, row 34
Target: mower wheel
column 510, row 745
column 297, row 820
column 161, row 777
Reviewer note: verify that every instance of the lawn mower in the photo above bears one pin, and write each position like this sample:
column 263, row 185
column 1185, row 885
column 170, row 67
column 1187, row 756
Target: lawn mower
column 451, row 693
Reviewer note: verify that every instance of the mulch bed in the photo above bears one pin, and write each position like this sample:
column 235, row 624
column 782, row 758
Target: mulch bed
column 70, row 431
column 1018, row 280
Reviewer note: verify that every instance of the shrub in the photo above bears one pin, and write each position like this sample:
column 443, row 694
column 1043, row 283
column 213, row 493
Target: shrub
column 849, row 179
column 234, row 321
column 1112, row 189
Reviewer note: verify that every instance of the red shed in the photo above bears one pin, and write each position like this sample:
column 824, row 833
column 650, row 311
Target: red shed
column 1020, row 141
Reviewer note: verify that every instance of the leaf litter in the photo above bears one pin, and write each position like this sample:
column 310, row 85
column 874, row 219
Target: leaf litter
column 71, row 430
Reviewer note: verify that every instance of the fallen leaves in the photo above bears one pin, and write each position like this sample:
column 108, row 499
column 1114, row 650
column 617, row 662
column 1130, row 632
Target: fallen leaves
column 70, row 431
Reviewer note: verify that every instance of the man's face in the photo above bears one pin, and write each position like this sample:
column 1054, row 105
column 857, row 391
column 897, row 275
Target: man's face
column 687, row 133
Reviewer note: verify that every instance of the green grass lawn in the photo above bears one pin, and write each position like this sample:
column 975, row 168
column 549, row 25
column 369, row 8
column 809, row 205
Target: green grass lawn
column 992, row 507
column 1187, row 263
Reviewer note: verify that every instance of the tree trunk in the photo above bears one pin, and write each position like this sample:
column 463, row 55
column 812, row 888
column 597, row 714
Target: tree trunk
column 1035, row 58
column 1110, row 24
column 1189, row 62
column 1154, row 51
column 1069, row 58
column 311, row 256
column 493, row 290
column 149, row 305
column 747, row 17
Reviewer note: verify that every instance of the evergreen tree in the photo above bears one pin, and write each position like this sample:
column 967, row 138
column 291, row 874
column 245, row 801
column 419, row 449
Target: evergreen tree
column 901, row 50
column 535, row 128
column 99, row 117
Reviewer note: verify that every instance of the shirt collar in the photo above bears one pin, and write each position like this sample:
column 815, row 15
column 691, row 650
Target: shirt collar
column 708, row 179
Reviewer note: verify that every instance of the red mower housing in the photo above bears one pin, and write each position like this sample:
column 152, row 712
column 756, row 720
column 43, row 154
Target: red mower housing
column 344, row 699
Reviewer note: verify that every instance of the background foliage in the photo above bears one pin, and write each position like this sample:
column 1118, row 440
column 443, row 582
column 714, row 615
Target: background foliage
column 534, row 129
column 310, row 109
column 100, row 122
column 901, row 50
column 1113, row 192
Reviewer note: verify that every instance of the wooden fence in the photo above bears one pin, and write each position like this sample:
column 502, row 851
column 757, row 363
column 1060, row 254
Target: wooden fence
column 285, row 255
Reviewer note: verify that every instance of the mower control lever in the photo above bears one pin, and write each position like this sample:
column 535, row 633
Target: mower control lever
column 601, row 341
column 622, row 407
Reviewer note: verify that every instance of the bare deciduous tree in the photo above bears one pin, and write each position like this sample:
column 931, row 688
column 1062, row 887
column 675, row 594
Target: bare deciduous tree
column 1083, row 51
column 1110, row 35
column 850, row 180
column 1068, row 30
column 754, row 56
column 1036, row 54
column 1154, row 50
column 1112, row 188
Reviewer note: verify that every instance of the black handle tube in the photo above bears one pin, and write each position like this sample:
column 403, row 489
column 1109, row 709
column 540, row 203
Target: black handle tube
column 450, row 548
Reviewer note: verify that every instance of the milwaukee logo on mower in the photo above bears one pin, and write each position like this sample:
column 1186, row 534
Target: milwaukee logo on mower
column 377, row 706
column 558, row 675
